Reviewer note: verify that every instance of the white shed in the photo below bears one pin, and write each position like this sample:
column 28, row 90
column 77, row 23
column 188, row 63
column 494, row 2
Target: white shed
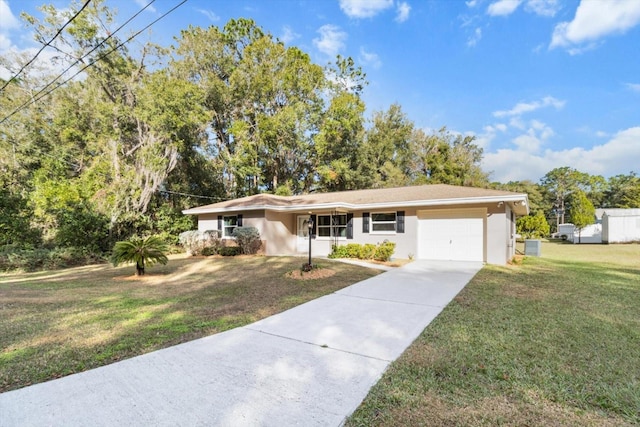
column 621, row 225
column 592, row 233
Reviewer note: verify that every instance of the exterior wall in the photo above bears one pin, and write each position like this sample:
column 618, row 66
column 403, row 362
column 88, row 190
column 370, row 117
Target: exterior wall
column 498, row 236
column 621, row 229
column 207, row 222
column 279, row 233
column 406, row 243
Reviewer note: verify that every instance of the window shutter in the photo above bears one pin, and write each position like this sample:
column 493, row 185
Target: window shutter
column 365, row 222
column 239, row 222
column 220, row 223
column 400, row 222
column 349, row 226
column 315, row 224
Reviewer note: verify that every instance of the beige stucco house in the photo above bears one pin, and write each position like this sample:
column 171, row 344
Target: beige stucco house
column 439, row 221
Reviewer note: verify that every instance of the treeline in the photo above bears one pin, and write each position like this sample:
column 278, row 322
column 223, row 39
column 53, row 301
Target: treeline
column 566, row 195
column 222, row 113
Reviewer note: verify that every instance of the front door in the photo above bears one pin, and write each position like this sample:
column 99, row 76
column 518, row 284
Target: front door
column 303, row 233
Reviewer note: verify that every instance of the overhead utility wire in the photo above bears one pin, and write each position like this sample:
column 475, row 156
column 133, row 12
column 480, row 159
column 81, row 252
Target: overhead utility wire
column 81, row 59
column 99, row 58
column 45, row 45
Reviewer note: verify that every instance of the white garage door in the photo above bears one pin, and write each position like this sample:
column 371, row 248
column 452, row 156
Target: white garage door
column 451, row 235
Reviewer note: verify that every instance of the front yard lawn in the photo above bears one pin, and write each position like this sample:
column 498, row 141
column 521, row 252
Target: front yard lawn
column 552, row 341
column 56, row 323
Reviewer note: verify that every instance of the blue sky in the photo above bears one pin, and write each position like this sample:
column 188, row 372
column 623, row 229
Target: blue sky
column 540, row 83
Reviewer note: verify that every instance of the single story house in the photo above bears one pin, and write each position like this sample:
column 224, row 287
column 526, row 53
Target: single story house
column 442, row 222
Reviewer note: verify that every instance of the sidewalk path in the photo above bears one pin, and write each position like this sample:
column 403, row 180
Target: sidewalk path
column 311, row 365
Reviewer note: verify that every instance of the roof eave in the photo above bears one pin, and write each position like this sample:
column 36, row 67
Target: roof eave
column 519, row 202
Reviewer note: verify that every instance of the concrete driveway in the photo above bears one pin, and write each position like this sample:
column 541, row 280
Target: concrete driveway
column 311, row 365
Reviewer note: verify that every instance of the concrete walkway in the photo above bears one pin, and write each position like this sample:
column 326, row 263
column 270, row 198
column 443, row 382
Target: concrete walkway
column 311, row 365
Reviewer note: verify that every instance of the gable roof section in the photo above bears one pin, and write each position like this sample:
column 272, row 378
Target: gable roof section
column 618, row 212
column 423, row 195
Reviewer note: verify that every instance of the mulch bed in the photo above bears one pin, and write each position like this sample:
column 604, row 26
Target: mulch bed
column 316, row 273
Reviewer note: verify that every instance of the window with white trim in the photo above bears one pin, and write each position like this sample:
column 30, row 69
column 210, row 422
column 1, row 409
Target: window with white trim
column 229, row 223
column 383, row 222
column 332, row 225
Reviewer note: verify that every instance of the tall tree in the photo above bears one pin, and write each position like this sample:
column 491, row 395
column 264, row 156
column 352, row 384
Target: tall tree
column 385, row 150
column 265, row 103
column 623, row 191
column 558, row 185
column 338, row 143
column 138, row 121
column 442, row 157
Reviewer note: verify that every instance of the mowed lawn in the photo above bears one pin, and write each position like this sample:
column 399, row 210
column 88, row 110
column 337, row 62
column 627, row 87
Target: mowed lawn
column 55, row 323
column 553, row 341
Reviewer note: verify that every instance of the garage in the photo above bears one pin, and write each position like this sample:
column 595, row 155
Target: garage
column 456, row 235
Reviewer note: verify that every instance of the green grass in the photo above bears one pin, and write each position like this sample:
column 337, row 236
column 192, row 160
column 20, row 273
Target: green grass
column 554, row 340
column 55, row 323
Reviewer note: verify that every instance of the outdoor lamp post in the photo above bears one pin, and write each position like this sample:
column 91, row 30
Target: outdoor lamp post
column 310, row 225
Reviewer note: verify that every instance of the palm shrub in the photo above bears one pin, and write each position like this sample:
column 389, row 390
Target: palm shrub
column 148, row 250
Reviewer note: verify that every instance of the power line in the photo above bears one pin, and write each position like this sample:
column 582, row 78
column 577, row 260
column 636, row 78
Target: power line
column 193, row 195
column 46, row 45
column 111, row 34
column 101, row 57
column 37, row 96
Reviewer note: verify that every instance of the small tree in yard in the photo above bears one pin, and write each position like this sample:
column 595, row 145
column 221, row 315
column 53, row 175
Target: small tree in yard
column 533, row 226
column 582, row 211
column 149, row 251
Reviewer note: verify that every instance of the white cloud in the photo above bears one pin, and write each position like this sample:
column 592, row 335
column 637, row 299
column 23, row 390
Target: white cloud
column 543, row 7
column 7, row 20
column 288, row 35
column 370, row 58
column 209, row 14
column 602, row 134
column 517, row 123
column 547, row 8
column 503, row 7
column 528, row 143
column 524, row 107
column 143, row 3
column 595, row 20
column 364, row 8
column 402, row 10
column 331, row 40
column 5, row 43
column 543, row 130
column 617, row 156
column 475, row 38
column 634, row 86
column 471, row 3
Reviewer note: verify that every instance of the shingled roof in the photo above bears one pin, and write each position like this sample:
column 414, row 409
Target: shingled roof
column 423, row 195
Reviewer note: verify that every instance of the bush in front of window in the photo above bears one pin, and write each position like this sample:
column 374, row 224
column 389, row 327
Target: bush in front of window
column 198, row 242
column 384, row 251
column 379, row 252
column 368, row 251
column 230, row 250
column 248, row 239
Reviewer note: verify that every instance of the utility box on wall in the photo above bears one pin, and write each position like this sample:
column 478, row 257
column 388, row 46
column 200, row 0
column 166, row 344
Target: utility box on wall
column 532, row 247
